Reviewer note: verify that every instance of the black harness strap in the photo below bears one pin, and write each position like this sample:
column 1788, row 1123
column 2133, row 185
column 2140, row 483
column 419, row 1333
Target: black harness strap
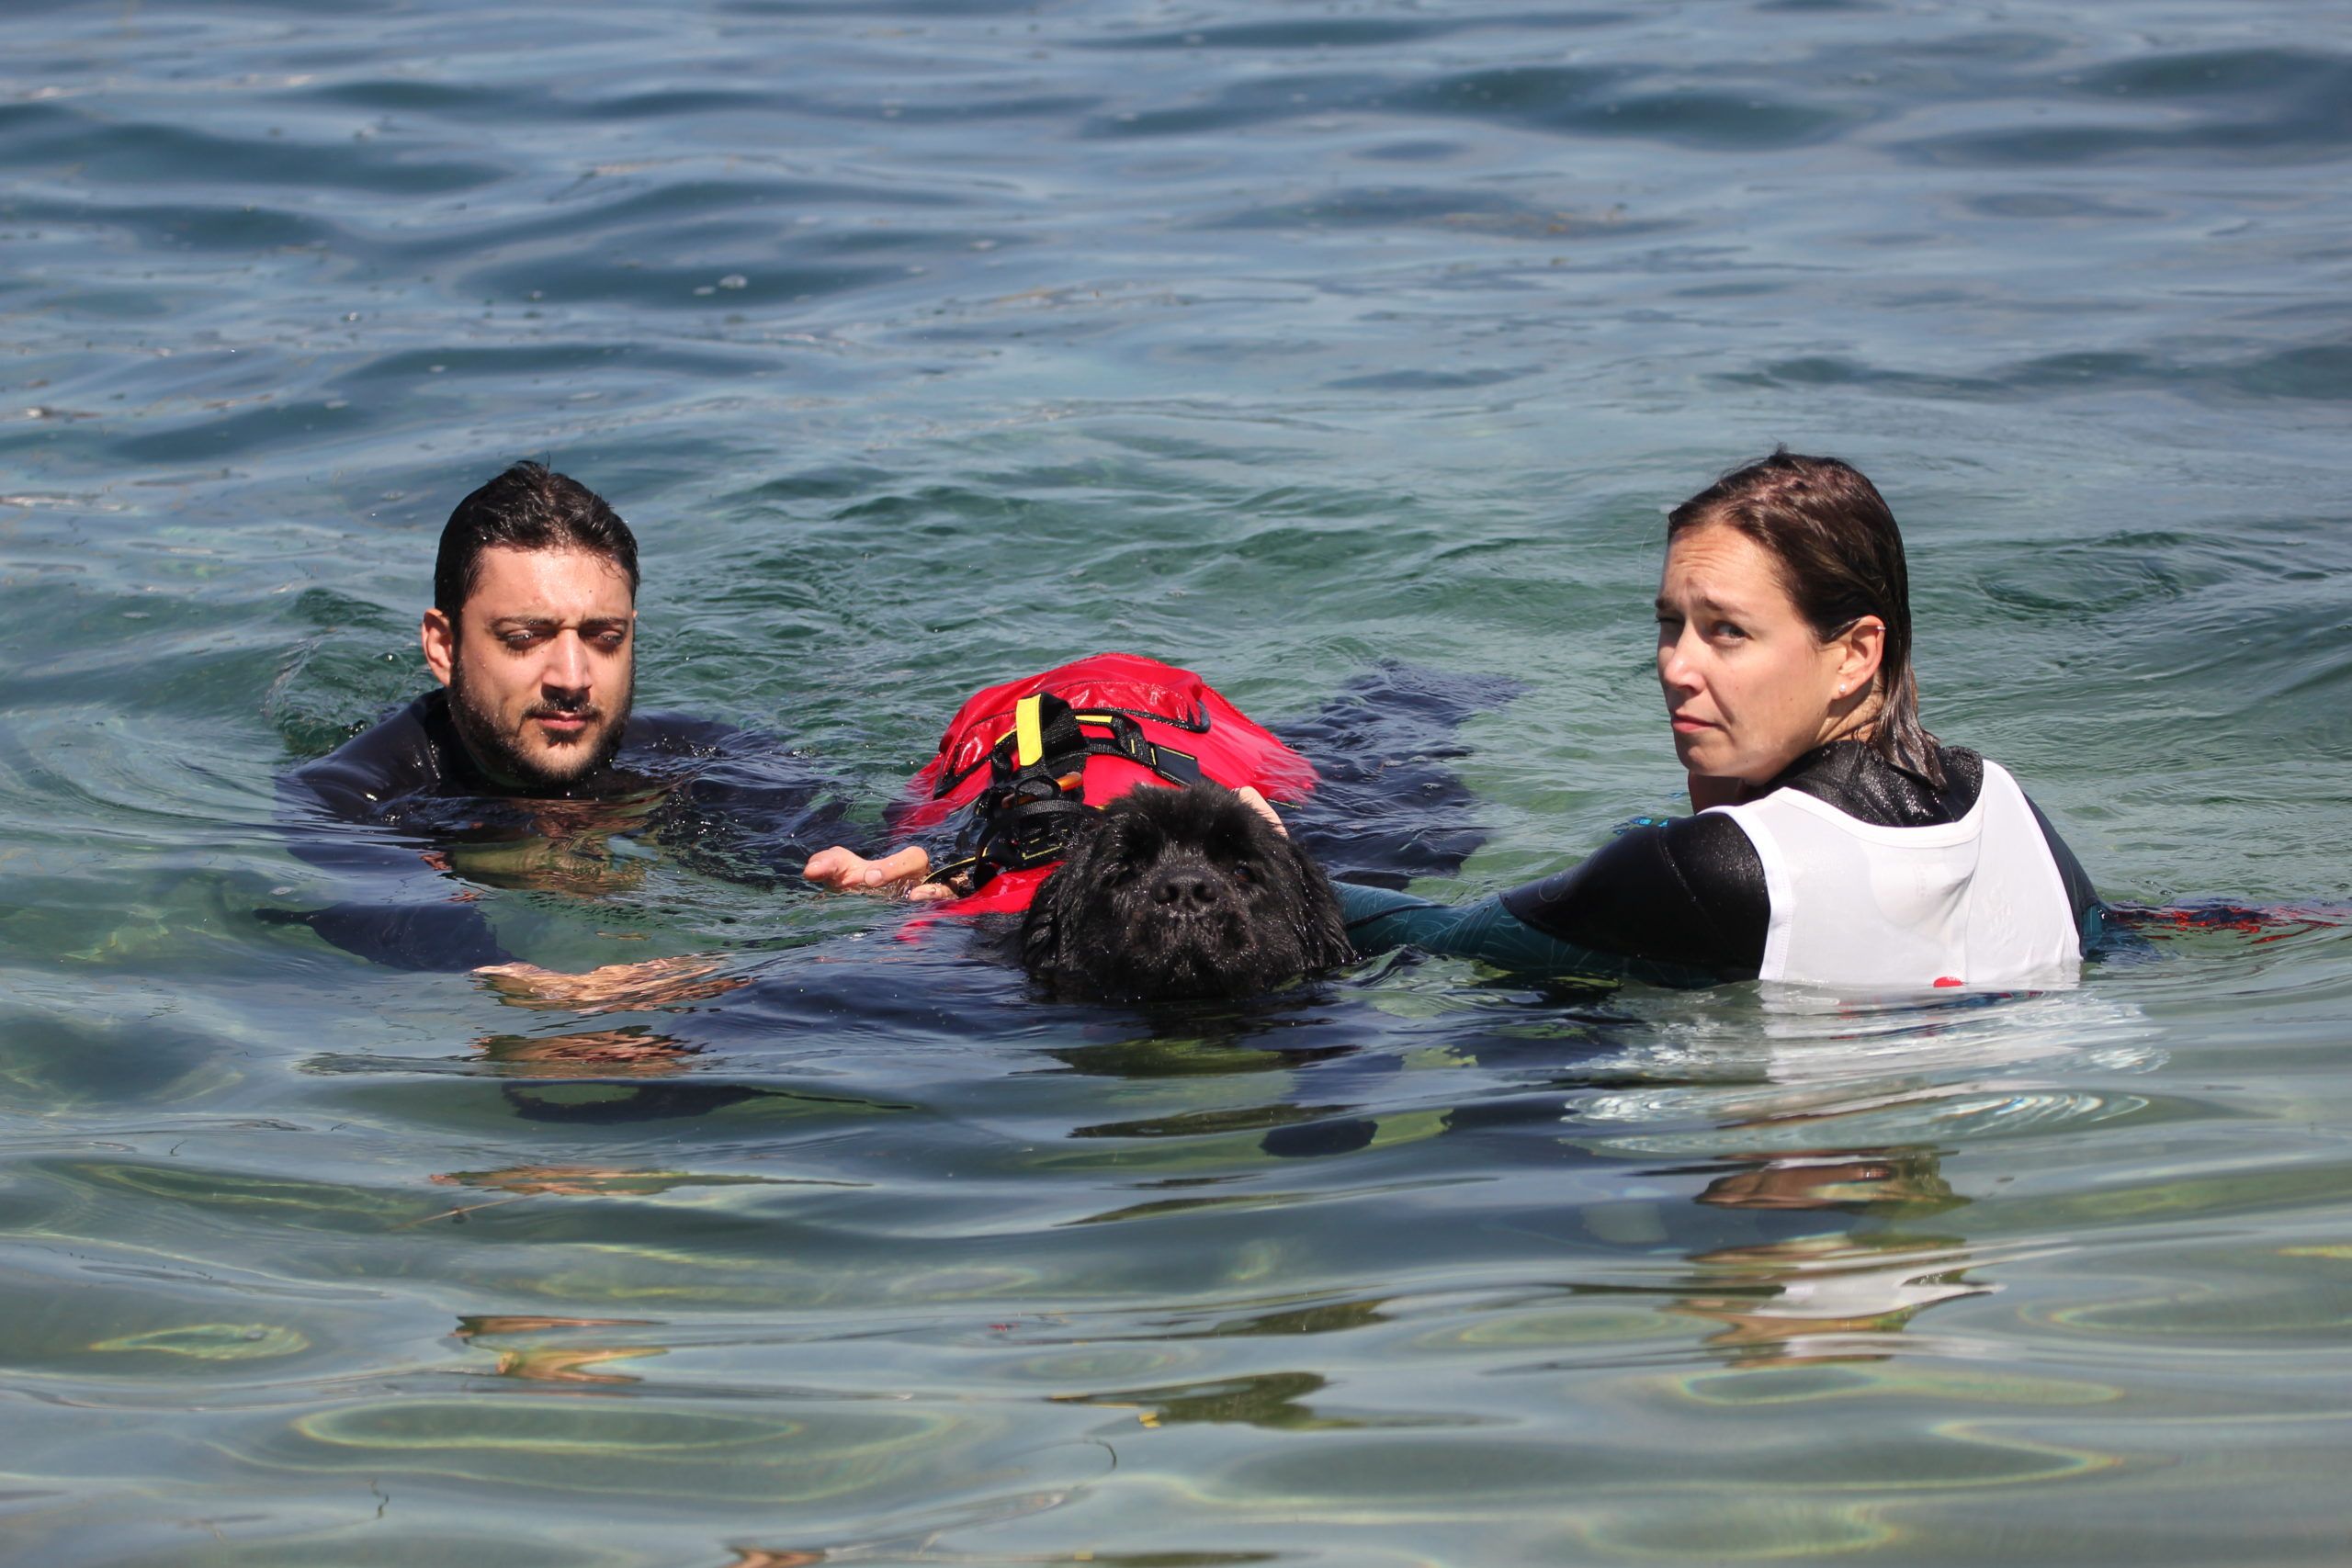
column 1194, row 723
column 1025, row 816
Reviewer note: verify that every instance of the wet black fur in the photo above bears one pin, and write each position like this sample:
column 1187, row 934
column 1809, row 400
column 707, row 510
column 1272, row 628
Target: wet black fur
column 1172, row 894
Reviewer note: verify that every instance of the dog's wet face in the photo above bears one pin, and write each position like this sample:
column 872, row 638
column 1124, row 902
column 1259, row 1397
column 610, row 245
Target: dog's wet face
column 1176, row 893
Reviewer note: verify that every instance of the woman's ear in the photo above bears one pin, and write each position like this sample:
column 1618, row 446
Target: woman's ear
column 1862, row 650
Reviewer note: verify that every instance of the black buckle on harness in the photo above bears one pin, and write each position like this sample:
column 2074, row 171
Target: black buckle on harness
column 1025, row 816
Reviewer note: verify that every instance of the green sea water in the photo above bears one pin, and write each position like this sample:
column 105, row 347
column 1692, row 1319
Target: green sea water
column 928, row 343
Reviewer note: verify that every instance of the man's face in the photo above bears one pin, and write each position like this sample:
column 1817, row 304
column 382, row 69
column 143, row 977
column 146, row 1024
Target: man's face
column 539, row 664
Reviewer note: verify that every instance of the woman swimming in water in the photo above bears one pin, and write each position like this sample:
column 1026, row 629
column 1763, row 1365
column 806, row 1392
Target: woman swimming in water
column 1834, row 841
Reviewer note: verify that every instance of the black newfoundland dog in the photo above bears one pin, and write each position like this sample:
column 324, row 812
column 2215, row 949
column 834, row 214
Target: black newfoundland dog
column 1171, row 895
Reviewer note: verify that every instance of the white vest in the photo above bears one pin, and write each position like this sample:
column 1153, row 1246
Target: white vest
column 1977, row 902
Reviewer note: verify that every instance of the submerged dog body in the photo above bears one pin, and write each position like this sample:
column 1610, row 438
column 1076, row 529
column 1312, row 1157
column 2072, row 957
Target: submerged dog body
column 1047, row 811
column 1169, row 894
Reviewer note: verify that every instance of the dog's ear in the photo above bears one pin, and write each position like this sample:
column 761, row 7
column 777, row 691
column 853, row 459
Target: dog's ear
column 1053, row 910
column 1322, row 928
column 1041, row 929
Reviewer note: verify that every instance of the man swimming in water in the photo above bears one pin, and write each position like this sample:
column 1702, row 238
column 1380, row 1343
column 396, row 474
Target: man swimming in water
column 528, row 762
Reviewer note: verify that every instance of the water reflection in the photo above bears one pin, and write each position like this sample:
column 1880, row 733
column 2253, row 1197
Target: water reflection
column 522, row 1181
column 1270, row 1400
column 1829, row 1298
column 1156, row 1058
column 1840, row 1296
column 597, row 1103
column 585, row 1180
column 1904, row 1181
column 633, row 1048
column 613, row 987
column 537, row 1362
column 1812, row 1140
column 579, row 847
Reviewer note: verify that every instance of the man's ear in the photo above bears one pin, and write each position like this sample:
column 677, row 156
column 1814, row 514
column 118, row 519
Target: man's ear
column 439, row 636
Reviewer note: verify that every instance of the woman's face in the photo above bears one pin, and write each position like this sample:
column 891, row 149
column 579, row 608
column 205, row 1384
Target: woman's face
column 1748, row 687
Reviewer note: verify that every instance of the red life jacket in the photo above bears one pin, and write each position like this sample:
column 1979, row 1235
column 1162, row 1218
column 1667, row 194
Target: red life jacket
column 1138, row 722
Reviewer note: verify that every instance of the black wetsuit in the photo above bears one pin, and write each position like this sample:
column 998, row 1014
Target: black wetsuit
column 1683, row 902
column 1387, row 805
column 722, row 800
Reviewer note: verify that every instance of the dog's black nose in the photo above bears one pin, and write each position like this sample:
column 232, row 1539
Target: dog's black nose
column 1184, row 890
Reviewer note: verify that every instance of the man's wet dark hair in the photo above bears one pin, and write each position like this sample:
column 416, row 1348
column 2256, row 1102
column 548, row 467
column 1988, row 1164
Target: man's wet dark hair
column 529, row 507
column 1840, row 556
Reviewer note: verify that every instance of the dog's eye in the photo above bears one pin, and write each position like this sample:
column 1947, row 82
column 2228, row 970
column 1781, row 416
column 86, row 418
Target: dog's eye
column 1245, row 874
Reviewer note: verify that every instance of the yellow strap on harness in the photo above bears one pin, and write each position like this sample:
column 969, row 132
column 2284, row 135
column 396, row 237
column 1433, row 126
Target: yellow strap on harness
column 1029, row 748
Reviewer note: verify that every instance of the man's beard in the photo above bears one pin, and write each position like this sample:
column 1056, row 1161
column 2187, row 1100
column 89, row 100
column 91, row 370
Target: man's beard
column 499, row 752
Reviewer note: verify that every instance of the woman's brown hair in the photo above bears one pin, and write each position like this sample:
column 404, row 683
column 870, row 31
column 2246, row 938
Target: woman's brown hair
column 1840, row 556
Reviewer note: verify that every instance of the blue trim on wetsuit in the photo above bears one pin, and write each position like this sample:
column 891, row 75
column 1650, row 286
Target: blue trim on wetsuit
column 1378, row 919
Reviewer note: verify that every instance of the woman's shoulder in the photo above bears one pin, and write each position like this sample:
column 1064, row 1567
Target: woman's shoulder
column 1868, row 785
column 1859, row 781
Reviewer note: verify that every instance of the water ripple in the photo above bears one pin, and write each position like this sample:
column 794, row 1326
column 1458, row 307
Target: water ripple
column 930, row 342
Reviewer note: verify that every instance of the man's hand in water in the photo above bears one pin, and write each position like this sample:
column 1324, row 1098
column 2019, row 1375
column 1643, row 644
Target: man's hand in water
column 615, row 987
column 1263, row 807
column 846, row 872
column 904, row 873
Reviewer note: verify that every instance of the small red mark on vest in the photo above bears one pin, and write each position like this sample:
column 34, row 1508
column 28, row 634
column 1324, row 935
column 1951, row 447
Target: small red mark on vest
column 1947, row 980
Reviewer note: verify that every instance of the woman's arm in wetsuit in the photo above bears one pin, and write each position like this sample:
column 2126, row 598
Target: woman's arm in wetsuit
column 1688, row 892
column 1379, row 919
column 1679, row 903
